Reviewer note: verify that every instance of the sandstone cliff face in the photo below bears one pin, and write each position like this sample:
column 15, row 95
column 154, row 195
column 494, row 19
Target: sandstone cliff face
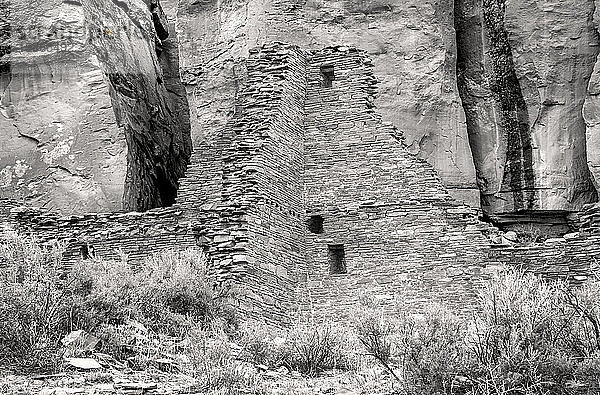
column 523, row 71
column 60, row 145
column 411, row 44
column 88, row 128
column 501, row 96
column 591, row 111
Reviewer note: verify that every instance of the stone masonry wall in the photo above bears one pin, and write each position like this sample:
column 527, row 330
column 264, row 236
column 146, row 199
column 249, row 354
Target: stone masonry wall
column 260, row 200
column 241, row 200
column 276, row 234
column 305, row 140
column 404, row 237
column 136, row 235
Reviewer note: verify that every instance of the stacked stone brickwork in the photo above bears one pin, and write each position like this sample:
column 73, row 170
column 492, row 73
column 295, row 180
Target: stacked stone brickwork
column 404, row 237
column 135, row 235
column 303, row 167
column 276, row 234
column 244, row 207
column 255, row 183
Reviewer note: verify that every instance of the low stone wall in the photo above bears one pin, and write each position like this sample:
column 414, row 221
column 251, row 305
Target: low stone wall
column 135, row 235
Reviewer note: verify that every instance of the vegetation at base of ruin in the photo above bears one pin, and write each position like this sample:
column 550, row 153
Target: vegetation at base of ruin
column 131, row 312
column 527, row 336
column 307, row 347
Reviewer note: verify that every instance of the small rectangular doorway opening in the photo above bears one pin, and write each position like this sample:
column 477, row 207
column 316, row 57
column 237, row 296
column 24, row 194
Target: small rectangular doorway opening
column 337, row 259
column 84, row 251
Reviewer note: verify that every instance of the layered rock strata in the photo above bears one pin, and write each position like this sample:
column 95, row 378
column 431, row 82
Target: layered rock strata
column 61, row 147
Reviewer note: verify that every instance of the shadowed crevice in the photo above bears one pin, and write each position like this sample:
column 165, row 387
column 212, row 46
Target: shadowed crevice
column 148, row 99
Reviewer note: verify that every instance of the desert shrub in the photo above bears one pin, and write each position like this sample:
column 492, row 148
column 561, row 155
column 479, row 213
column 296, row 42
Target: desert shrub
column 40, row 302
column 583, row 307
column 375, row 332
column 174, row 293
column 34, row 308
column 307, row 347
column 529, row 336
column 262, row 344
column 102, row 293
column 424, row 354
column 124, row 342
column 311, row 348
column 170, row 294
column 519, row 337
column 212, row 359
column 432, row 350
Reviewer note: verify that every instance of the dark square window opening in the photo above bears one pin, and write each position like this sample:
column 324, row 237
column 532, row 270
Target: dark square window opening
column 328, row 75
column 337, row 259
column 315, row 224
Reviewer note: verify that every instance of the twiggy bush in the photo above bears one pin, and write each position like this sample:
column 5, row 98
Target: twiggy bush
column 376, row 332
column 528, row 336
column 307, row 347
column 583, row 306
column 262, row 344
column 433, row 351
column 34, row 308
column 174, row 293
column 103, row 293
column 312, row 348
column 213, row 361
column 40, row 302
column 424, row 354
column 519, row 339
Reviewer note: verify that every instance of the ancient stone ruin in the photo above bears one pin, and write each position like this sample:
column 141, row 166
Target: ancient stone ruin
column 303, row 195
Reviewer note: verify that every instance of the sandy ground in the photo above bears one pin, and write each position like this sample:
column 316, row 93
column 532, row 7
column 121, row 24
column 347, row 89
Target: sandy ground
column 111, row 381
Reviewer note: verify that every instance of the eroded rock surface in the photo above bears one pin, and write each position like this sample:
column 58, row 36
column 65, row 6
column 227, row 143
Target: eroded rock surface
column 89, row 128
column 520, row 130
column 591, row 111
column 523, row 70
column 410, row 42
column 140, row 61
column 60, row 144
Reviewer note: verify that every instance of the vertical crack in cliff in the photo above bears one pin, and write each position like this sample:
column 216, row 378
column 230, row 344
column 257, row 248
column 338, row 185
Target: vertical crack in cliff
column 148, row 98
column 496, row 112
